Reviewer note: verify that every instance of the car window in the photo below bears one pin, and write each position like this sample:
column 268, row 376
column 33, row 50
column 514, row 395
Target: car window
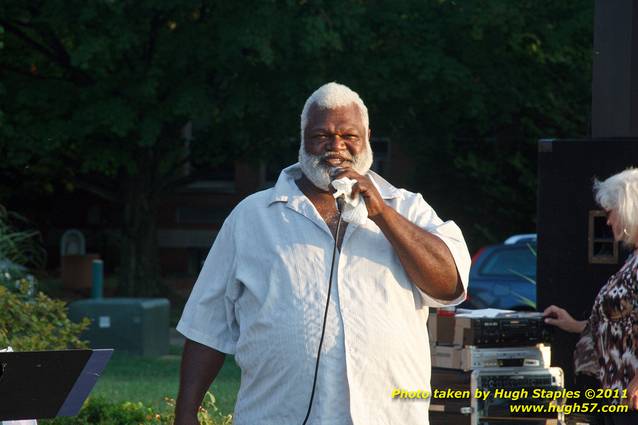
column 515, row 261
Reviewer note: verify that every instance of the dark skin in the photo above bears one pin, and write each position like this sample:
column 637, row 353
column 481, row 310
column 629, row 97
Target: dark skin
column 325, row 207
column 426, row 259
column 200, row 365
column 341, row 134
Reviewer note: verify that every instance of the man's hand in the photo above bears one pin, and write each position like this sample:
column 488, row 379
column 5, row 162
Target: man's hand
column 425, row 258
column 365, row 188
column 563, row 320
column 200, row 365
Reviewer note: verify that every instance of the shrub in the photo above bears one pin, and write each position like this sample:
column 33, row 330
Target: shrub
column 99, row 411
column 36, row 323
column 19, row 247
column 29, row 320
column 17, row 279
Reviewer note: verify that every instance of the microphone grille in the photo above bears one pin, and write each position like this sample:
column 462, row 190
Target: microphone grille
column 340, row 203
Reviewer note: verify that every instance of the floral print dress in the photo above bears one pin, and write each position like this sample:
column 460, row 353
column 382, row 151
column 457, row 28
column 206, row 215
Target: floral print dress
column 608, row 347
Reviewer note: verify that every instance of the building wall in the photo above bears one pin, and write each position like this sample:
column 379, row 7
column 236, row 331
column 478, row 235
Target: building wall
column 187, row 220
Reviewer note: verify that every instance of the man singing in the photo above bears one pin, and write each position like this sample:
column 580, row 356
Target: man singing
column 262, row 292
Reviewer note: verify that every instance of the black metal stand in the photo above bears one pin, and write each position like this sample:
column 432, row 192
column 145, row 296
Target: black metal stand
column 46, row 384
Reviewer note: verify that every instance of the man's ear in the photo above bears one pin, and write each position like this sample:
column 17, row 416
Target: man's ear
column 369, row 133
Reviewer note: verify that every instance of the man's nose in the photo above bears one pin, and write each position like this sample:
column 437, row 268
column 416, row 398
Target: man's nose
column 336, row 142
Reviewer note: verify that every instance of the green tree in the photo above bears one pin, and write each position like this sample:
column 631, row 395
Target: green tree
column 98, row 95
column 491, row 79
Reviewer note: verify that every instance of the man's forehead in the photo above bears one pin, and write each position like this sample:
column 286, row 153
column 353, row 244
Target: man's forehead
column 350, row 114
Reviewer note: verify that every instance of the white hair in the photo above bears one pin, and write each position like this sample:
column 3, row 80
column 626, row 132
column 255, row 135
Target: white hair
column 620, row 192
column 331, row 96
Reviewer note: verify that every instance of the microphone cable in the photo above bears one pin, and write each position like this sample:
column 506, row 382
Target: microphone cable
column 340, row 202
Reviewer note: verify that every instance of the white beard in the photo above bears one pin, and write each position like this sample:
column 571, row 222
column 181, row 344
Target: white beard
column 320, row 174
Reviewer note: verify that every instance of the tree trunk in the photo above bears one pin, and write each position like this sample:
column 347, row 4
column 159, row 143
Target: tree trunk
column 139, row 266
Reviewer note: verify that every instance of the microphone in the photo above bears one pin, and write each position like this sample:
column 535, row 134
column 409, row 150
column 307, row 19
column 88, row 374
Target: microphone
column 341, row 200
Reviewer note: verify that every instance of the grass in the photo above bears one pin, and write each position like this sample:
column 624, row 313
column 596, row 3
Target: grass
column 149, row 380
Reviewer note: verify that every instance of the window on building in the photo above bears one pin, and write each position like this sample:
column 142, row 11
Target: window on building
column 602, row 249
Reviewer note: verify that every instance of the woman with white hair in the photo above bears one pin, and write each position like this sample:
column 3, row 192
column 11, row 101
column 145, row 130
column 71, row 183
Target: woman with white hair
column 608, row 347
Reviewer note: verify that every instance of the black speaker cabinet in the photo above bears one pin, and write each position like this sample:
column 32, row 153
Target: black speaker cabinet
column 576, row 252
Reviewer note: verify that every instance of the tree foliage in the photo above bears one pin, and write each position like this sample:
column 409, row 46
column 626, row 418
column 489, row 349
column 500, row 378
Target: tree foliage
column 97, row 95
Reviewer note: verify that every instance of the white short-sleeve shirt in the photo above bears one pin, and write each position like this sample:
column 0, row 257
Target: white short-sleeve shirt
column 261, row 296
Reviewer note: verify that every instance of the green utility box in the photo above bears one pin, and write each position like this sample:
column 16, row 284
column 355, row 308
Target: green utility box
column 136, row 325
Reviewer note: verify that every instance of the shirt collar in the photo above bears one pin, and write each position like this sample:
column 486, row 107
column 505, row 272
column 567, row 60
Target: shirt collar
column 286, row 186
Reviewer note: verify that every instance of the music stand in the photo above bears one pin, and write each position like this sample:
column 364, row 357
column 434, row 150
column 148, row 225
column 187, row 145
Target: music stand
column 46, row 384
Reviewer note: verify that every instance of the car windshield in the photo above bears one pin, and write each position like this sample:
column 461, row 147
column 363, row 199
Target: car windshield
column 514, row 261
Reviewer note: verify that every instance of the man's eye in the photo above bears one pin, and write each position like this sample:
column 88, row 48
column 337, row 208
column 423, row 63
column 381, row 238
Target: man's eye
column 320, row 137
column 351, row 137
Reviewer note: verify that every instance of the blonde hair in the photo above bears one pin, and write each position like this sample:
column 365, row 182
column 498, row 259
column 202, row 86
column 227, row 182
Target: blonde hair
column 620, row 192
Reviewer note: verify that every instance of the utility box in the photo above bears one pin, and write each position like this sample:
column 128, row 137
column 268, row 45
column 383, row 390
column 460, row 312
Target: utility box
column 136, row 325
